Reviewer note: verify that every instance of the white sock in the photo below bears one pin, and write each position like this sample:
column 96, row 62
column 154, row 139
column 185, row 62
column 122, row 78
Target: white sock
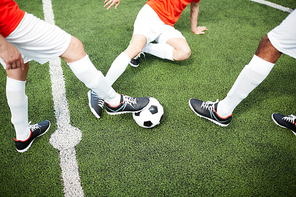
column 249, row 78
column 18, row 103
column 161, row 50
column 86, row 72
column 117, row 68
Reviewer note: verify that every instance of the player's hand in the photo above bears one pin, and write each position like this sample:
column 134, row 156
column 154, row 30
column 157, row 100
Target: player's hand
column 200, row 30
column 11, row 56
column 110, row 3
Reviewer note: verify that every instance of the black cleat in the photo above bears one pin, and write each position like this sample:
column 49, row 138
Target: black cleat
column 95, row 103
column 37, row 130
column 285, row 121
column 136, row 62
column 128, row 104
column 208, row 110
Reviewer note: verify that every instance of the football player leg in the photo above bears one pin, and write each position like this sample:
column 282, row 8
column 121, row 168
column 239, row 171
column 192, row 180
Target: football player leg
column 121, row 62
column 279, row 40
column 249, row 78
column 86, row 72
column 18, row 103
column 171, row 45
column 181, row 48
column 117, row 68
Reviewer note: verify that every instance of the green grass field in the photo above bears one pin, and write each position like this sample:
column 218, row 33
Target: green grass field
column 185, row 155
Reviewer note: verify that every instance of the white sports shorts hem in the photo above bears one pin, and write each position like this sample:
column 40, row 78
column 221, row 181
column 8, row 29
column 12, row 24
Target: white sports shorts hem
column 153, row 28
column 38, row 40
column 283, row 37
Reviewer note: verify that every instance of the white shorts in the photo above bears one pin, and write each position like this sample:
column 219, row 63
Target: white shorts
column 38, row 40
column 283, row 37
column 149, row 24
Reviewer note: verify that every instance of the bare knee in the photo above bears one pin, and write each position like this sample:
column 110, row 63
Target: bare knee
column 267, row 51
column 74, row 52
column 186, row 53
column 182, row 54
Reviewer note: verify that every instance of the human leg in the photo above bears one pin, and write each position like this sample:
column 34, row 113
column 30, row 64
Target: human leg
column 249, row 78
column 161, row 50
column 86, row 72
column 18, row 101
column 282, row 39
column 181, row 48
column 121, row 62
column 171, row 45
column 115, row 71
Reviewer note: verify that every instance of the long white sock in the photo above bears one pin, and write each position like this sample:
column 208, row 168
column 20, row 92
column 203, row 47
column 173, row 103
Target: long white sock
column 18, row 103
column 161, row 50
column 86, row 72
column 249, row 78
column 117, row 68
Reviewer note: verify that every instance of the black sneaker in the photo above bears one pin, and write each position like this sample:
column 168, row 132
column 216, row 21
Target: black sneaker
column 37, row 130
column 128, row 104
column 95, row 103
column 208, row 110
column 136, row 62
column 285, row 121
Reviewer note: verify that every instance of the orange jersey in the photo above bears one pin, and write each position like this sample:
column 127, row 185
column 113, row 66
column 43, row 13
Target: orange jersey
column 169, row 11
column 10, row 17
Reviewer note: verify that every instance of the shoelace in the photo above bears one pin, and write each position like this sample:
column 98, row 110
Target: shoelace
column 100, row 100
column 291, row 118
column 101, row 103
column 34, row 126
column 130, row 100
column 209, row 105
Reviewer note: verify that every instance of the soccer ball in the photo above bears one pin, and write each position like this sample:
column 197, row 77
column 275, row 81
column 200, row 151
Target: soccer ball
column 151, row 116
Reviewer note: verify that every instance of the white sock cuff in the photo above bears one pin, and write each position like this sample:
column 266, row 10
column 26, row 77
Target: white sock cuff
column 15, row 85
column 260, row 65
column 124, row 57
column 79, row 62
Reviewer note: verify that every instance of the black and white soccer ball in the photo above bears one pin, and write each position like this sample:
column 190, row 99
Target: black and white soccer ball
column 151, row 116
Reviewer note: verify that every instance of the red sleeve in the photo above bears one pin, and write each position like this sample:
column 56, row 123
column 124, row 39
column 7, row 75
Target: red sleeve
column 10, row 16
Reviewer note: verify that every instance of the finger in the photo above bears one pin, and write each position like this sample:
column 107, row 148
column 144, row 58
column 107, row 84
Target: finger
column 17, row 64
column 22, row 64
column 8, row 67
column 116, row 5
column 13, row 66
column 110, row 6
column 106, row 4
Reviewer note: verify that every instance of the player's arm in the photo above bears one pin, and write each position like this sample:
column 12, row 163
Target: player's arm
column 10, row 55
column 194, row 9
column 110, row 3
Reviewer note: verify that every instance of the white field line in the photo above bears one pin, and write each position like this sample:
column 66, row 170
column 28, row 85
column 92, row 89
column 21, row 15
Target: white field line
column 66, row 137
column 279, row 7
